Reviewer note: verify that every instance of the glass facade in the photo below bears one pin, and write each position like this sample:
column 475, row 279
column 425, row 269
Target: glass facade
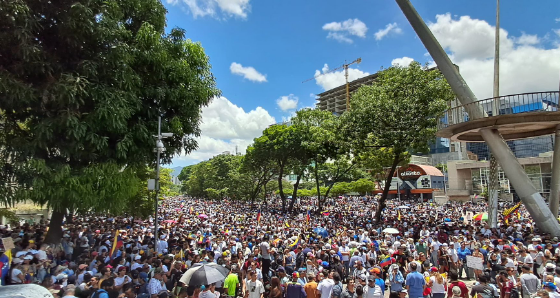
column 539, row 174
column 531, row 147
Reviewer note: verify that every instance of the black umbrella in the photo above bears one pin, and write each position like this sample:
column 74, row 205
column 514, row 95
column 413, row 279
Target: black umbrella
column 203, row 274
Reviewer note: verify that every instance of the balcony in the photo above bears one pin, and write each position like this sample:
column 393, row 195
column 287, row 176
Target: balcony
column 518, row 116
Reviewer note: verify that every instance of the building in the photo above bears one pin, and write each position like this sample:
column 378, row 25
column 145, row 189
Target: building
column 469, row 178
column 415, row 182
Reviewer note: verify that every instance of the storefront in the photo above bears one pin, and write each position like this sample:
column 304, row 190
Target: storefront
column 416, row 182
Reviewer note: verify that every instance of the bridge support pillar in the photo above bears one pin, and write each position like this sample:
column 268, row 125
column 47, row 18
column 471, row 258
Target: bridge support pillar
column 531, row 198
column 554, row 199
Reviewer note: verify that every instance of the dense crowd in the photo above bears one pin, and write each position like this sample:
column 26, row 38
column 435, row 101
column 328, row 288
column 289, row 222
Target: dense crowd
column 340, row 251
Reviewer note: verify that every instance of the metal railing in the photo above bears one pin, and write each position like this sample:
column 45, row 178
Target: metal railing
column 508, row 104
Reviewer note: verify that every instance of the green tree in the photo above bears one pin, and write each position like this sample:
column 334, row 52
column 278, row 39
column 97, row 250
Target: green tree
column 258, row 167
column 320, row 142
column 82, row 84
column 184, row 176
column 400, row 112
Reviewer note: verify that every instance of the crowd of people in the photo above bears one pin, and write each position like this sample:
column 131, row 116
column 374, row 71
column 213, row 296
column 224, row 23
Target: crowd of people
column 339, row 251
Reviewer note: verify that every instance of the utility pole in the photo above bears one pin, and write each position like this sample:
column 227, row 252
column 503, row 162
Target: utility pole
column 494, row 185
column 159, row 149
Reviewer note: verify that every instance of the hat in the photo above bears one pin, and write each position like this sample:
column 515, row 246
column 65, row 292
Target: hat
column 295, row 274
column 434, row 269
column 404, row 291
column 456, row 290
column 122, row 268
column 376, row 271
column 371, row 278
column 28, row 257
column 138, row 257
column 280, row 269
column 61, row 276
column 17, row 261
column 549, row 285
column 550, row 266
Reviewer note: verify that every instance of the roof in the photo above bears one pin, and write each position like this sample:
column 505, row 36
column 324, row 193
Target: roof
column 430, row 170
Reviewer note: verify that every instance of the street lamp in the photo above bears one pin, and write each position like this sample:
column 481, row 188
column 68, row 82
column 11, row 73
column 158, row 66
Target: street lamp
column 160, row 148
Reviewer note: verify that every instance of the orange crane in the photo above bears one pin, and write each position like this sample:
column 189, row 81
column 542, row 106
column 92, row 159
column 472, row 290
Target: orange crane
column 345, row 66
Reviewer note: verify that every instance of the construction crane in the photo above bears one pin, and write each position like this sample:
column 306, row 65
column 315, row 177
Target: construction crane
column 345, row 67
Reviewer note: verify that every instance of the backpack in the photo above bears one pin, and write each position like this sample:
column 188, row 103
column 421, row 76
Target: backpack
column 97, row 293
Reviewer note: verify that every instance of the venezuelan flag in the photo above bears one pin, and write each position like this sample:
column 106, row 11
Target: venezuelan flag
column 308, row 216
column 259, row 216
column 286, row 224
column 191, row 210
column 296, row 243
column 117, row 244
column 386, row 262
column 326, row 213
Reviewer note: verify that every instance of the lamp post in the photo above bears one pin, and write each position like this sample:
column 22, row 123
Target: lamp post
column 159, row 149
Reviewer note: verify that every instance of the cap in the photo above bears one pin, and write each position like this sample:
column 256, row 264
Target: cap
column 295, row 274
column 138, row 257
column 549, row 285
column 122, row 268
column 28, row 257
column 280, row 269
column 325, row 263
column 434, row 269
column 376, row 271
column 371, row 278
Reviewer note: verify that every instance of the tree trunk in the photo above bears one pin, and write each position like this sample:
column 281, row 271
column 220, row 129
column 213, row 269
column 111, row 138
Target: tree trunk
column 294, row 194
column 317, row 183
column 54, row 235
column 329, row 190
column 381, row 204
column 282, row 195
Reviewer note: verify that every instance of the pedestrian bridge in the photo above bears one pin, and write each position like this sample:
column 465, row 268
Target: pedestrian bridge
column 518, row 116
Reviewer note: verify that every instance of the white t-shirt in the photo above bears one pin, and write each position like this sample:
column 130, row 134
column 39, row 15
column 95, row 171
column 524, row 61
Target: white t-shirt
column 326, row 287
column 15, row 278
column 344, row 249
column 264, row 247
column 437, row 288
column 41, row 255
column 122, row 280
column 255, row 288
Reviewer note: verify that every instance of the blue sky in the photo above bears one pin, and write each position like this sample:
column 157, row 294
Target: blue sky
column 261, row 51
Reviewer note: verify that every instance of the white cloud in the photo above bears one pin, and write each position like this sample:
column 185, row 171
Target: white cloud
column 334, row 79
column 404, row 61
column 524, row 67
column 342, row 31
column 224, row 126
column 339, row 37
column 557, row 20
column 287, row 102
column 389, row 28
column 527, row 39
column 248, row 72
column 216, row 8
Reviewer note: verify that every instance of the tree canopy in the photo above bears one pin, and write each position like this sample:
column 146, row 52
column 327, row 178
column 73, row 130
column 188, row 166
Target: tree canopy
column 83, row 84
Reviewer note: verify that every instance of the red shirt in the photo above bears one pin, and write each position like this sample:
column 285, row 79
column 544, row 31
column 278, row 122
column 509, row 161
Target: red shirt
column 461, row 285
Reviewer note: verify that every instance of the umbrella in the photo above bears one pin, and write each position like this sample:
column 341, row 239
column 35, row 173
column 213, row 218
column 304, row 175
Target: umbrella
column 169, row 221
column 321, row 232
column 203, row 216
column 403, row 207
column 391, row 231
column 205, row 274
column 481, row 216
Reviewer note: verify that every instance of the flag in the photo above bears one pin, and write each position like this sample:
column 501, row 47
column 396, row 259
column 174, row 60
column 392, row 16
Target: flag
column 296, row 243
column 399, row 212
column 388, row 261
column 117, row 244
column 512, row 209
column 191, row 210
column 201, row 239
column 518, row 214
column 182, row 255
column 286, row 224
column 308, row 216
column 259, row 216
column 326, row 213
column 507, row 222
column 180, row 219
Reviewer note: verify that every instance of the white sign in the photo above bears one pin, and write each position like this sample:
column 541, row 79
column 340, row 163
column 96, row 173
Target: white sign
column 474, row 262
column 410, row 173
column 424, row 182
column 8, row 243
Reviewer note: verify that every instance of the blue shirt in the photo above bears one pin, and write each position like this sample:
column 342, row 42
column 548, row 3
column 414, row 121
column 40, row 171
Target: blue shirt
column 463, row 253
column 415, row 281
